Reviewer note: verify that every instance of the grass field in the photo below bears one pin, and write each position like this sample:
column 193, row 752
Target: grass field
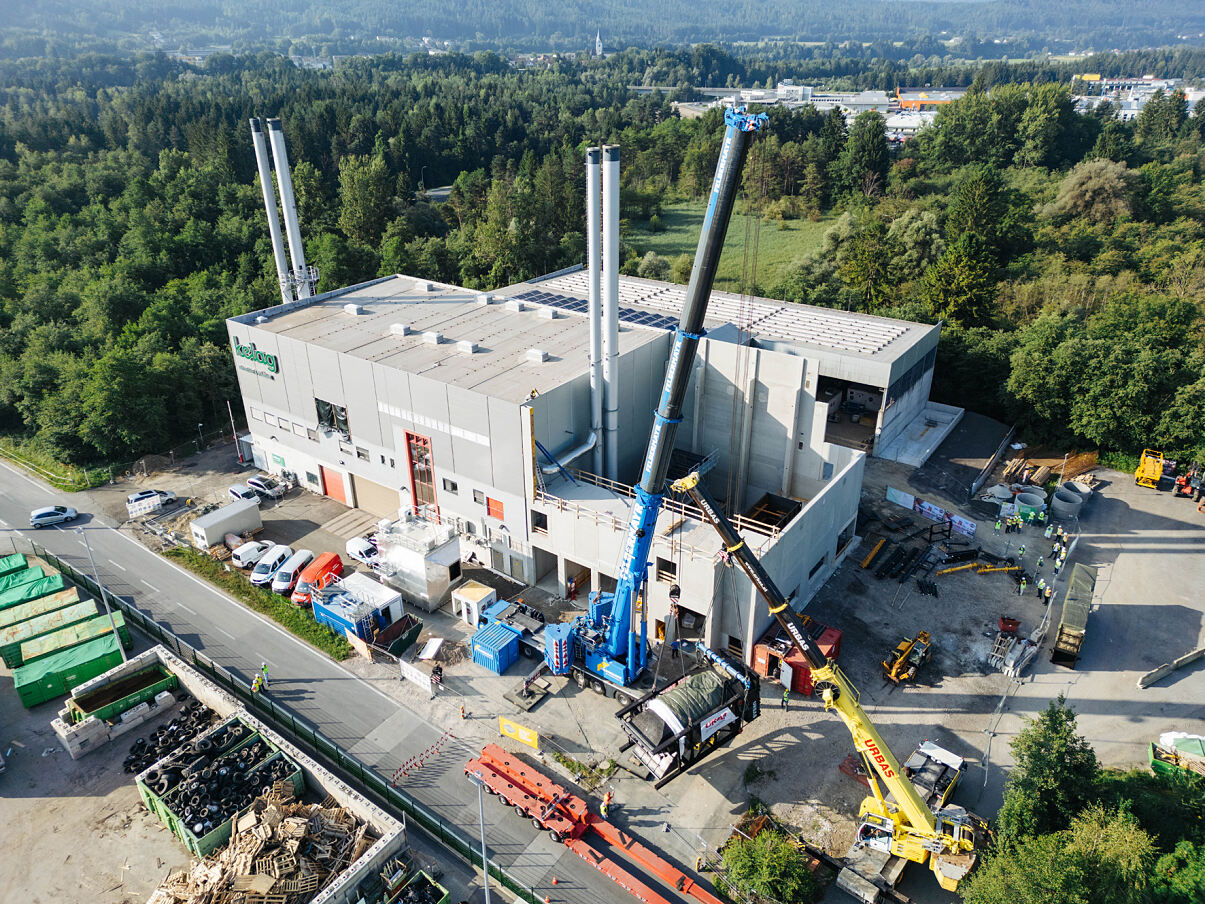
column 776, row 248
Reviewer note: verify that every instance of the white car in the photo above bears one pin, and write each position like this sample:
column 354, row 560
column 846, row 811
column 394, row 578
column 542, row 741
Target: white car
column 286, row 577
column 243, row 492
column 166, row 497
column 250, row 553
column 362, row 550
column 52, row 514
column 268, row 487
column 265, row 569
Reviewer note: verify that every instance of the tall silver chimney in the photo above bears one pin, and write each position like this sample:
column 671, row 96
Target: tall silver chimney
column 265, row 182
column 288, row 205
column 594, row 269
column 610, row 304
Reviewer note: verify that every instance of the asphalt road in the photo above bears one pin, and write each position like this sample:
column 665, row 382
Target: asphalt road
column 354, row 714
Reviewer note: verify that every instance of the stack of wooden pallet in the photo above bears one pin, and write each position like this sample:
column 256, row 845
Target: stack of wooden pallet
column 280, row 852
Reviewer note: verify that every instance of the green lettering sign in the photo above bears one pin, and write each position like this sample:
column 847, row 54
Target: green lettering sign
column 251, row 353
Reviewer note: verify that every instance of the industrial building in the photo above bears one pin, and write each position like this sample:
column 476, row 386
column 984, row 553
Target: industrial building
column 522, row 420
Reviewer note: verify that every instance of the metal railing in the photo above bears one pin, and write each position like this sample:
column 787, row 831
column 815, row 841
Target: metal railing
column 352, row 770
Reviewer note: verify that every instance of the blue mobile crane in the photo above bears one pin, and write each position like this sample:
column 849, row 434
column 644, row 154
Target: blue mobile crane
column 605, row 640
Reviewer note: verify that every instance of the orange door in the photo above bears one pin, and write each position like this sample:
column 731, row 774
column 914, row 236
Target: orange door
column 332, row 483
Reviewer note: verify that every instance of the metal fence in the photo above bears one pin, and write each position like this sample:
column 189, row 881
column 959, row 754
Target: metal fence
column 352, row 770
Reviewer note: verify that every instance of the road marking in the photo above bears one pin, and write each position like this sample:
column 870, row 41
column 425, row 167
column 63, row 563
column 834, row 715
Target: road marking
column 186, row 608
column 3, row 523
column 227, row 633
column 152, row 586
column 115, row 565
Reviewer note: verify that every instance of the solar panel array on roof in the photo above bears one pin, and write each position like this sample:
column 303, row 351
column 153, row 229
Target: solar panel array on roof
column 581, row 306
column 837, row 330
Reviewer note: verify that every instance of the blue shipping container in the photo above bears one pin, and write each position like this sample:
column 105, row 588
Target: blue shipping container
column 495, row 647
column 340, row 616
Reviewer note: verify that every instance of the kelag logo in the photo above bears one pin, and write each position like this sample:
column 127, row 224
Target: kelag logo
column 251, row 353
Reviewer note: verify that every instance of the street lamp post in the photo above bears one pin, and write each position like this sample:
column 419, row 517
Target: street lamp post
column 478, row 779
column 101, row 591
column 422, row 190
column 200, row 439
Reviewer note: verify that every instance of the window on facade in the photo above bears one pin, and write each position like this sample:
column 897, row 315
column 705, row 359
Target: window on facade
column 345, row 448
column 382, row 459
column 815, row 568
column 449, row 485
column 362, row 454
column 257, row 414
column 539, row 523
column 311, row 478
column 493, row 508
column 479, row 497
column 299, row 429
column 422, row 475
column 392, row 464
column 667, row 571
column 332, row 417
column 311, row 434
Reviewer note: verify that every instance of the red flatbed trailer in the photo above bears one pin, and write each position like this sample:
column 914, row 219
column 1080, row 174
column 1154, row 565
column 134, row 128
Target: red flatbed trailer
column 568, row 818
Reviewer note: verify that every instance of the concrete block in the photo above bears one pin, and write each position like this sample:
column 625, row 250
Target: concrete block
column 164, row 698
column 138, row 712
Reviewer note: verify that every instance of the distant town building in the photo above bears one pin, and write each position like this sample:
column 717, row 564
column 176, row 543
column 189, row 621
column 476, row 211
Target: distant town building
column 927, row 98
column 598, row 48
column 906, row 123
column 851, row 102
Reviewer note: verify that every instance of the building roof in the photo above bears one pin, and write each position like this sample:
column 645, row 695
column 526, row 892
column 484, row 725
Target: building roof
column 659, row 304
column 396, row 313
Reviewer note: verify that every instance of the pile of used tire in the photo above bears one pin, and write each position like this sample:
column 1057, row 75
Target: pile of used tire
column 195, row 717
column 209, row 782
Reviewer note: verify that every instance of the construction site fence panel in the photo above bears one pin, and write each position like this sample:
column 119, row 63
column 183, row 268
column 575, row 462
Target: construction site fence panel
column 350, row 768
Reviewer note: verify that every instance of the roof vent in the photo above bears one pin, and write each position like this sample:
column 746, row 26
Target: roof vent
column 261, row 319
column 423, row 286
column 515, row 305
column 483, row 299
column 548, row 313
column 466, row 346
column 352, row 309
column 399, row 329
column 537, row 355
column 433, row 338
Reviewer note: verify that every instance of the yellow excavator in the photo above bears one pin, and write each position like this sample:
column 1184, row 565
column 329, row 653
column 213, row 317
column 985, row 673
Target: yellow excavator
column 908, row 657
column 906, row 825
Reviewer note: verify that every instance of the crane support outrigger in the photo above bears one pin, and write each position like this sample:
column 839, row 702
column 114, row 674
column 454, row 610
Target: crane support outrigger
column 946, row 836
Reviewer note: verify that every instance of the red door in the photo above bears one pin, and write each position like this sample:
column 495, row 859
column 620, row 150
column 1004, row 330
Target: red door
column 332, row 483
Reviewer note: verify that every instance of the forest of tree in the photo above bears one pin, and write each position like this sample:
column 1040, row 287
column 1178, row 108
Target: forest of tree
column 1065, row 253
column 977, row 27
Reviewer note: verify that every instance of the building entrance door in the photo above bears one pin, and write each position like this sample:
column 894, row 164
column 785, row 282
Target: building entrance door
column 332, row 484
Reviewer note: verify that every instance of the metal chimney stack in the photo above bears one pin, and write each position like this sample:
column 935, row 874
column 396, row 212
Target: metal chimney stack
column 302, row 275
column 610, row 304
column 594, row 268
column 265, row 182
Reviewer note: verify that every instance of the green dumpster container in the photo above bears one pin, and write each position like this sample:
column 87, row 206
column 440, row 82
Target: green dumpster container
column 9, row 564
column 13, row 636
column 32, row 591
column 25, row 611
column 65, row 638
column 56, row 675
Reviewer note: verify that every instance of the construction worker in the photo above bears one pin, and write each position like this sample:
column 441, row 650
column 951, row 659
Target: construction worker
column 1041, row 561
column 1041, row 516
column 1024, row 583
column 1049, row 532
column 997, row 525
column 1041, row 586
column 257, row 684
column 786, row 697
column 1021, row 551
column 1046, row 597
column 263, row 670
column 1057, row 565
column 463, row 715
column 605, row 808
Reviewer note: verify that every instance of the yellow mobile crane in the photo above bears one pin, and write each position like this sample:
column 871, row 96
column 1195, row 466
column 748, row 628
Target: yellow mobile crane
column 947, row 837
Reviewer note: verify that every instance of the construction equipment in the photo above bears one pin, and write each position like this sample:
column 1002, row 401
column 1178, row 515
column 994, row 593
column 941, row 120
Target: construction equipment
column 605, row 639
column 909, row 655
column 1150, row 469
column 569, row 821
column 918, row 824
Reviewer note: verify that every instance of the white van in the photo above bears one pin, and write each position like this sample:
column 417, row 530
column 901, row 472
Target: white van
column 267, row 567
column 250, row 553
column 286, row 576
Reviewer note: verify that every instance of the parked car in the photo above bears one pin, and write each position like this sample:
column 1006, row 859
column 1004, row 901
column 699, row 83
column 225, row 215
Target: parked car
column 320, row 573
column 362, row 550
column 265, row 569
column 166, row 497
column 53, row 514
column 286, row 576
column 250, row 553
column 241, row 491
column 268, row 487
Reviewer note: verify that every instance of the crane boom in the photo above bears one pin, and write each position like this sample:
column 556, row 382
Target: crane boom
column 618, row 657
column 914, row 827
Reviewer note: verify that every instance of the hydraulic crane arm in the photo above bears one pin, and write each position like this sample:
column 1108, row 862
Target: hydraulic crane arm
column 617, row 608
column 835, row 689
